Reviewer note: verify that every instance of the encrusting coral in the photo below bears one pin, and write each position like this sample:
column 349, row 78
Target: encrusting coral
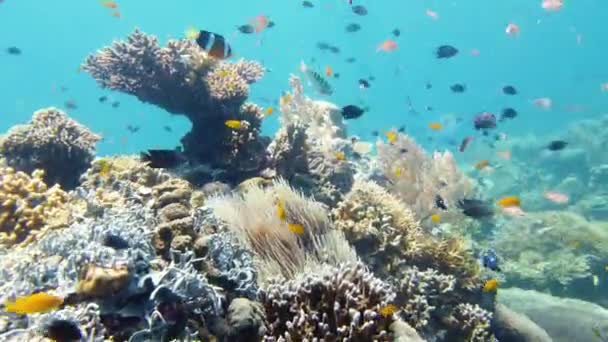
column 27, row 206
column 182, row 79
column 52, row 142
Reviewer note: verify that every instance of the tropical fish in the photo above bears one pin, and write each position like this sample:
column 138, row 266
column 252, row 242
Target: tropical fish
column 557, row 145
column 352, row 27
column 162, row 159
column 398, row 171
column 387, row 46
column 508, row 113
column 556, row 197
column 458, row 88
column 475, row 208
column 543, row 102
column 489, row 260
column 259, row 23
column 315, row 80
column 214, row 44
column 13, row 50
column 391, row 136
column 436, row 126
column 512, row 29
column 432, row 14
column 482, row 164
column 484, row 120
column 340, row 156
column 102, row 99
column 109, row 4
column 352, row 112
column 435, row 218
column 246, row 29
column 388, row 310
column 513, row 211
column 552, row 5
column 440, row 203
column 364, row 84
column 234, row 124
column 509, row 201
column 465, row 143
column 396, row 32
column 269, row 111
column 509, row 90
column 281, row 213
column 307, row 4
column 359, row 10
column 446, row 51
column 296, row 228
column 328, row 71
column 62, row 330
column 490, row 285
column 34, row 303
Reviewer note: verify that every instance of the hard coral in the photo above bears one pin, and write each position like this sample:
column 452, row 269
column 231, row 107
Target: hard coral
column 53, row 142
column 96, row 281
column 333, row 303
column 182, row 79
column 27, row 205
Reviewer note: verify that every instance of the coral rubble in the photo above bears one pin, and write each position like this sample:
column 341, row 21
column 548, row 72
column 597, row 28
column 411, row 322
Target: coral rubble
column 52, row 142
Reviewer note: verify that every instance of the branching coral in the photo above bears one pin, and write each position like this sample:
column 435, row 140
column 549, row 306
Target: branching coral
column 418, row 178
column 52, row 142
column 254, row 219
column 27, row 205
column 475, row 322
column 182, row 79
column 334, row 303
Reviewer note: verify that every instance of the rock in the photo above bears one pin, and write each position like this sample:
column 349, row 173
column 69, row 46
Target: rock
column 510, row 326
column 173, row 211
column 564, row 319
column 246, row 320
column 181, row 243
column 404, row 332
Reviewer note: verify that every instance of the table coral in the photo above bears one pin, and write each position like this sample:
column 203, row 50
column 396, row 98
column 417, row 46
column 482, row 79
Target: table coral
column 52, row 142
column 182, row 79
column 335, row 303
column 27, row 205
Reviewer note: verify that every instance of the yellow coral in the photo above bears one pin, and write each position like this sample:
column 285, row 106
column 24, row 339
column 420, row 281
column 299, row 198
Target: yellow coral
column 27, row 204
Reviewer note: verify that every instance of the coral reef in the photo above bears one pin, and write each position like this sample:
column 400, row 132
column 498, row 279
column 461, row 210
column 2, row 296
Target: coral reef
column 246, row 319
column 182, row 79
column 52, row 142
column 418, row 178
column 476, row 322
column 335, row 303
column 28, row 206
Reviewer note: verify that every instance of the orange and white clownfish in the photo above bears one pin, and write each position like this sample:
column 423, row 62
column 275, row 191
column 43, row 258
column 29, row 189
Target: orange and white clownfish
column 215, row 44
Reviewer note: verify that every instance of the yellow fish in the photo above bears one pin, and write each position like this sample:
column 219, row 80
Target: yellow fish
column 34, row 303
column 435, row 126
column 105, row 169
column 435, row 218
column 391, row 136
column 388, row 310
column 191, row 33
column 398, row 172
column 596, row 280
column 509, row 201
column 281, row 213
column 269, row 111
column 340, row 156
column 234, row 124
column 490, row 285
column 296, row 228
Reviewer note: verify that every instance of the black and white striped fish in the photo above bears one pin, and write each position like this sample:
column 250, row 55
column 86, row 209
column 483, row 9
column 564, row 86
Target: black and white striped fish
column 215, row 44
column 316, row 80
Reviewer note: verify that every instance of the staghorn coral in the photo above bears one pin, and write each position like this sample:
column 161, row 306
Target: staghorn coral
column 253, row 218
column 332, row 303
column 27, row 206
column 387, row 236
column 417, row 178
column 52, row 142
column 182, row 79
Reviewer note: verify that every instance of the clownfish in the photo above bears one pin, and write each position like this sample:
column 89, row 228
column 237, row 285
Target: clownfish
column 214, row 44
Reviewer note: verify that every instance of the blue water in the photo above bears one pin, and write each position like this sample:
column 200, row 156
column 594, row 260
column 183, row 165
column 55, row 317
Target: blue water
column 543, row 61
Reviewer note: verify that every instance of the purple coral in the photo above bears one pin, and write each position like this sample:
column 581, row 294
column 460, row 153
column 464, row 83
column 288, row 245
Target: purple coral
column 53, row 142
column 182, row 79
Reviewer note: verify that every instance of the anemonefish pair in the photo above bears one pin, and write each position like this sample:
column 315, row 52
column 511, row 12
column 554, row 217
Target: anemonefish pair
column 215, row 44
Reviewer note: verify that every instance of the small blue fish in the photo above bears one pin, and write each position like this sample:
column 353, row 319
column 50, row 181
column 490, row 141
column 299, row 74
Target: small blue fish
column 489, row 260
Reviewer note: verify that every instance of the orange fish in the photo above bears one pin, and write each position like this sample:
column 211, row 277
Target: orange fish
column 509, row 201
column 432, row 14
column 391, row 136
column 512, row 29
column 482, row 164
column 269, row 111
column 435, row 126
column 259, row 23
column 387, row 46
column 34, row 303
column 388, row 310
column 116, row 14
column 296, row 228
column 490, row 286
column 109, row 4
column 328, row 71
column 552, row 5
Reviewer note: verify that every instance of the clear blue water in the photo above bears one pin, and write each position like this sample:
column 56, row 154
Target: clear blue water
column 543, row 61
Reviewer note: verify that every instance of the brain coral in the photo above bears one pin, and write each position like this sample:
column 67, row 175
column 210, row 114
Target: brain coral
column 53, row 142
column 26, row 205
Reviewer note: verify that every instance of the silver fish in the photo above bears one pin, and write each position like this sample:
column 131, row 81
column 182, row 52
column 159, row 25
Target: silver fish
column 317, row 81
